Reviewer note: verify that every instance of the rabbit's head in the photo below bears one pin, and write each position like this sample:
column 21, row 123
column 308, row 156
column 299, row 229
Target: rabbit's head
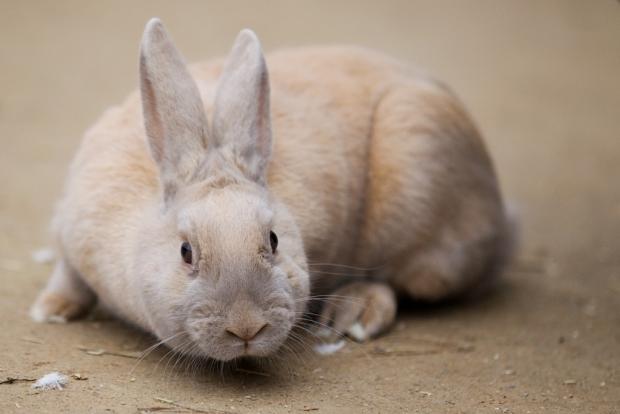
column 230, row 277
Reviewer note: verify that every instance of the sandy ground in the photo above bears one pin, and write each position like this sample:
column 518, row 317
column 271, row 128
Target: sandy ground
column 541, row 78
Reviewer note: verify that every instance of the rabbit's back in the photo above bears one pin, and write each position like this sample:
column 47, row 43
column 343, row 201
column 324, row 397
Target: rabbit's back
column 368, row 155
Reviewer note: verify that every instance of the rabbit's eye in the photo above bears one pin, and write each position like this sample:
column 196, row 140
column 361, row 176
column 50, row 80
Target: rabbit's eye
column 186, row 252
column 274, row 241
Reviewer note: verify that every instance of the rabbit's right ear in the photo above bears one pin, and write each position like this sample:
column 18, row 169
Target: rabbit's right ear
column 174, row 116
column 242, row 118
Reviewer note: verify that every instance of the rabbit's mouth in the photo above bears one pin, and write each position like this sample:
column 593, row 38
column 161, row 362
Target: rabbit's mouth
column 250, row 350
column 213, row 340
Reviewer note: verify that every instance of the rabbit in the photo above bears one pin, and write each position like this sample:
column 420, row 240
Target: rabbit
column 210, row 206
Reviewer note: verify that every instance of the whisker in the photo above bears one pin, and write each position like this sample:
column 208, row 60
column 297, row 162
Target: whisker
column 344, row 266
column 171, row 354
column 345, row 274
column 152, row 348
column 322, row 325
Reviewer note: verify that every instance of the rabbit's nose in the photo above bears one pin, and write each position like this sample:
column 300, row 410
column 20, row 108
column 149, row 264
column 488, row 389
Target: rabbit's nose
column 247, row 332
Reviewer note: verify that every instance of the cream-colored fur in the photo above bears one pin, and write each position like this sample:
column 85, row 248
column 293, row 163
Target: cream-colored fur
column 373, row 165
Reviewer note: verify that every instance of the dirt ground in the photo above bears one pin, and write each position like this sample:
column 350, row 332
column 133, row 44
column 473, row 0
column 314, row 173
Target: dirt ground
column 542, row 78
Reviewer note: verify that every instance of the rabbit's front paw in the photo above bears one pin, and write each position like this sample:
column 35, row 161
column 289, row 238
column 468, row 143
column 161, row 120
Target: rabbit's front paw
column 54, row 308
column 64, row 298
column 360, row 310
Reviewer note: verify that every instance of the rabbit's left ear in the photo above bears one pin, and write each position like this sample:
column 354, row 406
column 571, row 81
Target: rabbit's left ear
column 241, row 120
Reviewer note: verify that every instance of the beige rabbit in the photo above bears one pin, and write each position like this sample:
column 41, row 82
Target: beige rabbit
column 205, row 214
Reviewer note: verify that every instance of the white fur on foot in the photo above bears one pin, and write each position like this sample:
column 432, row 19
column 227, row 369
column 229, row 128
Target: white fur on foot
column 39, row 315
column 357, row 332
column 51, row 381
column 44, row 255
column 328, row 348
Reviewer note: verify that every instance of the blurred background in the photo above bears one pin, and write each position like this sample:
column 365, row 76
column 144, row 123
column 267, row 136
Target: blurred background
column 542, row 80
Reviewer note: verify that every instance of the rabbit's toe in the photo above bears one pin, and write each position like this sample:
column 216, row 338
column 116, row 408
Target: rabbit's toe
column 360, row 310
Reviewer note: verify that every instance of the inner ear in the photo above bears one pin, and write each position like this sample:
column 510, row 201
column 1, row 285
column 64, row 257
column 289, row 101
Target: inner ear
column 241, row 120
column 174, row 116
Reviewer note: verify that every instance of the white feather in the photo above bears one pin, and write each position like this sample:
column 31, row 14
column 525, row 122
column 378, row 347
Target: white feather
column 51, row 381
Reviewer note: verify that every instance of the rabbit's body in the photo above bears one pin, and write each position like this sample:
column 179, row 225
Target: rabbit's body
column 379, row 166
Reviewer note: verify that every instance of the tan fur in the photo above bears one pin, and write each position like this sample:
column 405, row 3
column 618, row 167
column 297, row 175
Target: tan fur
column 373, row 165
